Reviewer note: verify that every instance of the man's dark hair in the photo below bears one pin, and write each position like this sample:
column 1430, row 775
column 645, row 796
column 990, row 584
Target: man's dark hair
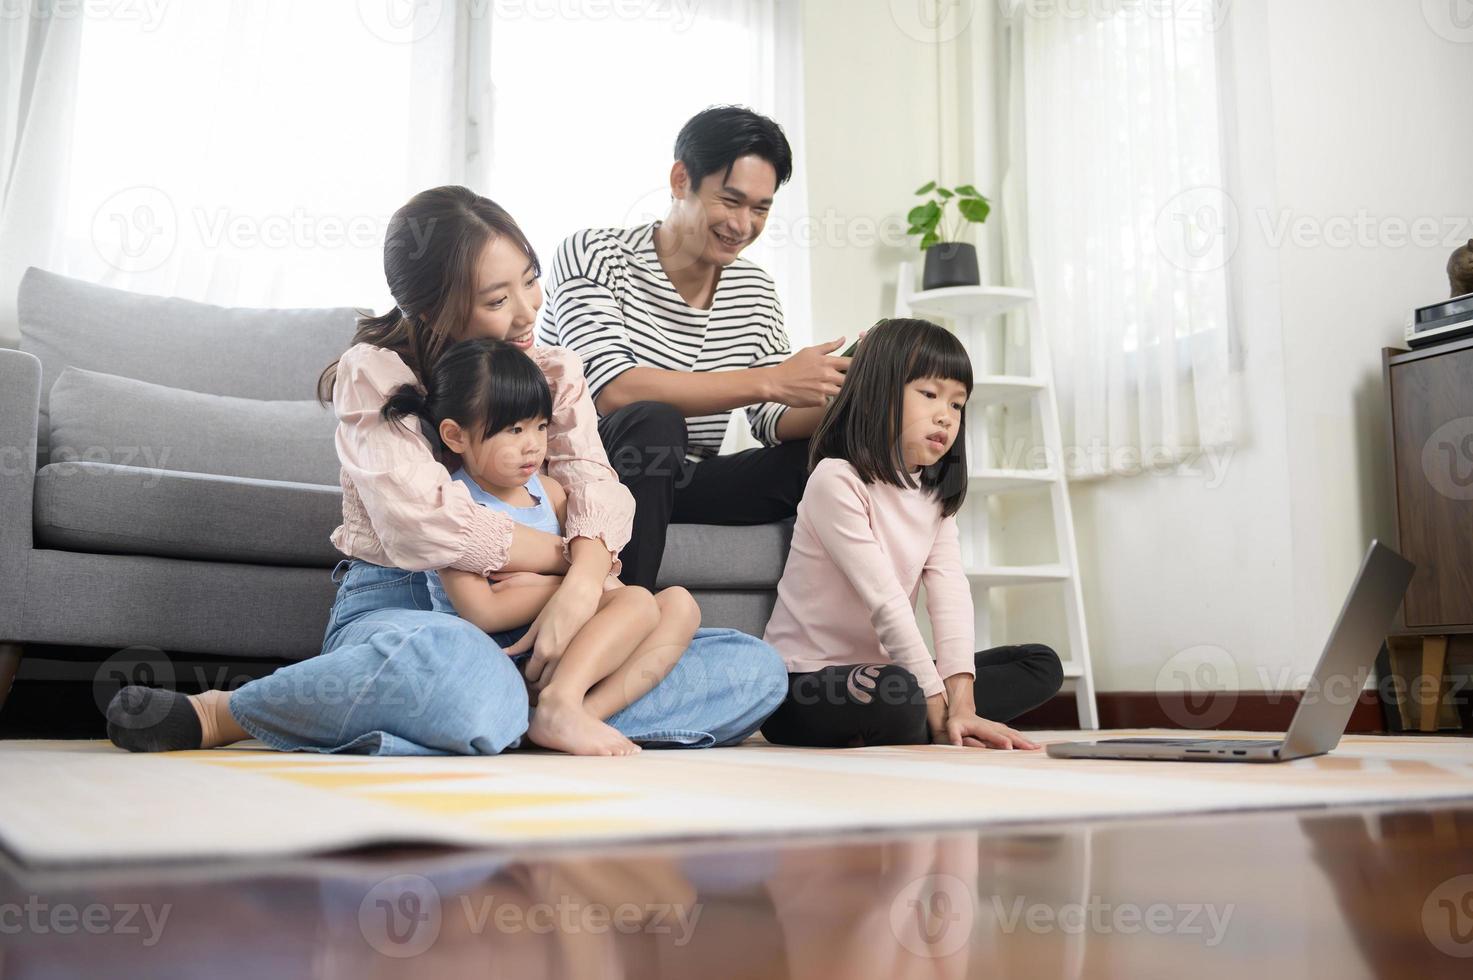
column 715, row 138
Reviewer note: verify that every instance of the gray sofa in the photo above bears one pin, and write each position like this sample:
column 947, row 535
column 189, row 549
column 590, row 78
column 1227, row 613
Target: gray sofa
column 166, row 481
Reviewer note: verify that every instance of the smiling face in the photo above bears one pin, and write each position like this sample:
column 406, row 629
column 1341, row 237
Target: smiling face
column 508, row 295
column 931, row 416
column 726, row 213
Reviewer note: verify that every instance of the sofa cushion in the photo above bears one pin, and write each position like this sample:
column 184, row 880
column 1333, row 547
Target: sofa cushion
column 134, row 510
column 713, row 557
column 107, row 419
column 248, row 353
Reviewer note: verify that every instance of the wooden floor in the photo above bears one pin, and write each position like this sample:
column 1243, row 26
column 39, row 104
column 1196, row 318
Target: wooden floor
column 1327, row 894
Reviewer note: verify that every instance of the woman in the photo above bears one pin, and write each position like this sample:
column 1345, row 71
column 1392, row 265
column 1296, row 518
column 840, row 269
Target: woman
column 395, row 677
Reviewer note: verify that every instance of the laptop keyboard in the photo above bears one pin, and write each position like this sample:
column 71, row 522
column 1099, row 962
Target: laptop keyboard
column 1234, row 742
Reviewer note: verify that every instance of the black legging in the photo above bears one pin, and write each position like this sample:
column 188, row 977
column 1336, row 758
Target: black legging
column 882, row 704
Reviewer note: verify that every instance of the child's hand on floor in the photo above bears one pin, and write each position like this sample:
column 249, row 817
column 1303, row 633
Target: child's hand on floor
column 974, row 732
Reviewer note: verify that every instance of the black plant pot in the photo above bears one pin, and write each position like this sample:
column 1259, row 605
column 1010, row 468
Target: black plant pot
column 950, row 264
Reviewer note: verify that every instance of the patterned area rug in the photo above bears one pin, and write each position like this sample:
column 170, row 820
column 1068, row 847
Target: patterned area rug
column 72, row 802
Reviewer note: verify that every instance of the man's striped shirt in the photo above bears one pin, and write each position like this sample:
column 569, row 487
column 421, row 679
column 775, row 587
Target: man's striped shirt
column 610, row 301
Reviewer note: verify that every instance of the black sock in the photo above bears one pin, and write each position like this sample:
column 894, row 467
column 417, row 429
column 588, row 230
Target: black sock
column 151, row 719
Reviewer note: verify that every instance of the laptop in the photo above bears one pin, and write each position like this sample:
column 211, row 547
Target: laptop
column 1325, row 710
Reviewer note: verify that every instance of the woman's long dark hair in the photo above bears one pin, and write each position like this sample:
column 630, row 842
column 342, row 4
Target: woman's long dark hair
column 862, row 423
column 484, row 385
column 431, row 249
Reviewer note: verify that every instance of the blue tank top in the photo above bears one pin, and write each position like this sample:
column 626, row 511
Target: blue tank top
column 540, row 517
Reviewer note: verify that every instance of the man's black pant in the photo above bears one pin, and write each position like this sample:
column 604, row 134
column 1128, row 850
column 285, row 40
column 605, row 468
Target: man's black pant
column 647, row 442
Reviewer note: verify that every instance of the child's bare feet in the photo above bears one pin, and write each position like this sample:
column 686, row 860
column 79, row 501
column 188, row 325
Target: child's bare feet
column 566, row 726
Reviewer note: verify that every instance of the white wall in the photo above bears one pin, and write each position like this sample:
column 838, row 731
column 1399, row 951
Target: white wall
column 1338, row 115
column 874, row 135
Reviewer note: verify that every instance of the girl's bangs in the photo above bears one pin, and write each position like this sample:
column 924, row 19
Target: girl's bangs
column 940, row 355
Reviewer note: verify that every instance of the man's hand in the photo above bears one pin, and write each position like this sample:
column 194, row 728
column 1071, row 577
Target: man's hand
column 970, row 730
column 810, row 377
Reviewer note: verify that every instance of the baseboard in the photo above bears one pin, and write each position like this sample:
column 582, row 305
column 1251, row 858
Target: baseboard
column 1252, row 711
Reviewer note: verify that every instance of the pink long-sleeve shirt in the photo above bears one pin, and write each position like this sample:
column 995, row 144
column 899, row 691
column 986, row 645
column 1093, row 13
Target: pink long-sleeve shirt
column 860, row 553
column 402, row 509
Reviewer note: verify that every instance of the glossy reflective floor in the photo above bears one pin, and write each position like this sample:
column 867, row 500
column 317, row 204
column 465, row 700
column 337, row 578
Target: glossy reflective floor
column 1332, row 894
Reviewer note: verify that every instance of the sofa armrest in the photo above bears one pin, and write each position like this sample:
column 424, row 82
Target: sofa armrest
column 20, row 409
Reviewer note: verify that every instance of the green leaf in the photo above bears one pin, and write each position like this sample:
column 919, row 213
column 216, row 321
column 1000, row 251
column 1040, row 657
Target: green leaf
column 931, row 239
column 925, row 215
column 946, row 195
column 930, row 186
column 974, row 208
column 967, row 190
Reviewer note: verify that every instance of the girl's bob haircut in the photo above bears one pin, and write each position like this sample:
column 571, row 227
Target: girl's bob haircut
column 484, row 385
column 862, row 423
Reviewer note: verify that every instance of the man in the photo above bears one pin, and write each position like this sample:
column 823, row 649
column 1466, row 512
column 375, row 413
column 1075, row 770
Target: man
column 676, row 330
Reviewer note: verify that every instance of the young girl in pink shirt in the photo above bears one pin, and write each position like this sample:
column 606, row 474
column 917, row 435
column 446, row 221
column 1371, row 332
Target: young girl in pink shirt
column 878, row 520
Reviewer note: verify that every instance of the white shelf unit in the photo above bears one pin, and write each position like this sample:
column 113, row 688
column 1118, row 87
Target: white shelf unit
column 974, row 312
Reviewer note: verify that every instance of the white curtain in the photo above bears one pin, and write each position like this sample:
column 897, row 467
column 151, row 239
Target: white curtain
column 250, row 152
column 38, row 70
column 775, row 57
column 1114, row 157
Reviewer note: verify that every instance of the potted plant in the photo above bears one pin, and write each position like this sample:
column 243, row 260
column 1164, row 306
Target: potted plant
column 948, row 261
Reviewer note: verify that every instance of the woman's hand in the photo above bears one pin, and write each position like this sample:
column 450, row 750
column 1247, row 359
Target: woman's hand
column 570, row 607
column 975, row 732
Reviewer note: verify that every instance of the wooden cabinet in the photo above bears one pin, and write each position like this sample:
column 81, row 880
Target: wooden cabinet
column 1430, row 394
column 1431, row 397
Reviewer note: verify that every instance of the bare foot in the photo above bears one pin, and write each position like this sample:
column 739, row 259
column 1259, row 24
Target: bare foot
column 567, row 727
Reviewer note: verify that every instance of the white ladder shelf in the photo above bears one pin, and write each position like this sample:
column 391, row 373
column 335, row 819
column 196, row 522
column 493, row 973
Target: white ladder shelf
column 972, row 312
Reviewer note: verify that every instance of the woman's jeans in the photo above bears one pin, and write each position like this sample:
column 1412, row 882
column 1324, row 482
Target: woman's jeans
column 395, row 678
